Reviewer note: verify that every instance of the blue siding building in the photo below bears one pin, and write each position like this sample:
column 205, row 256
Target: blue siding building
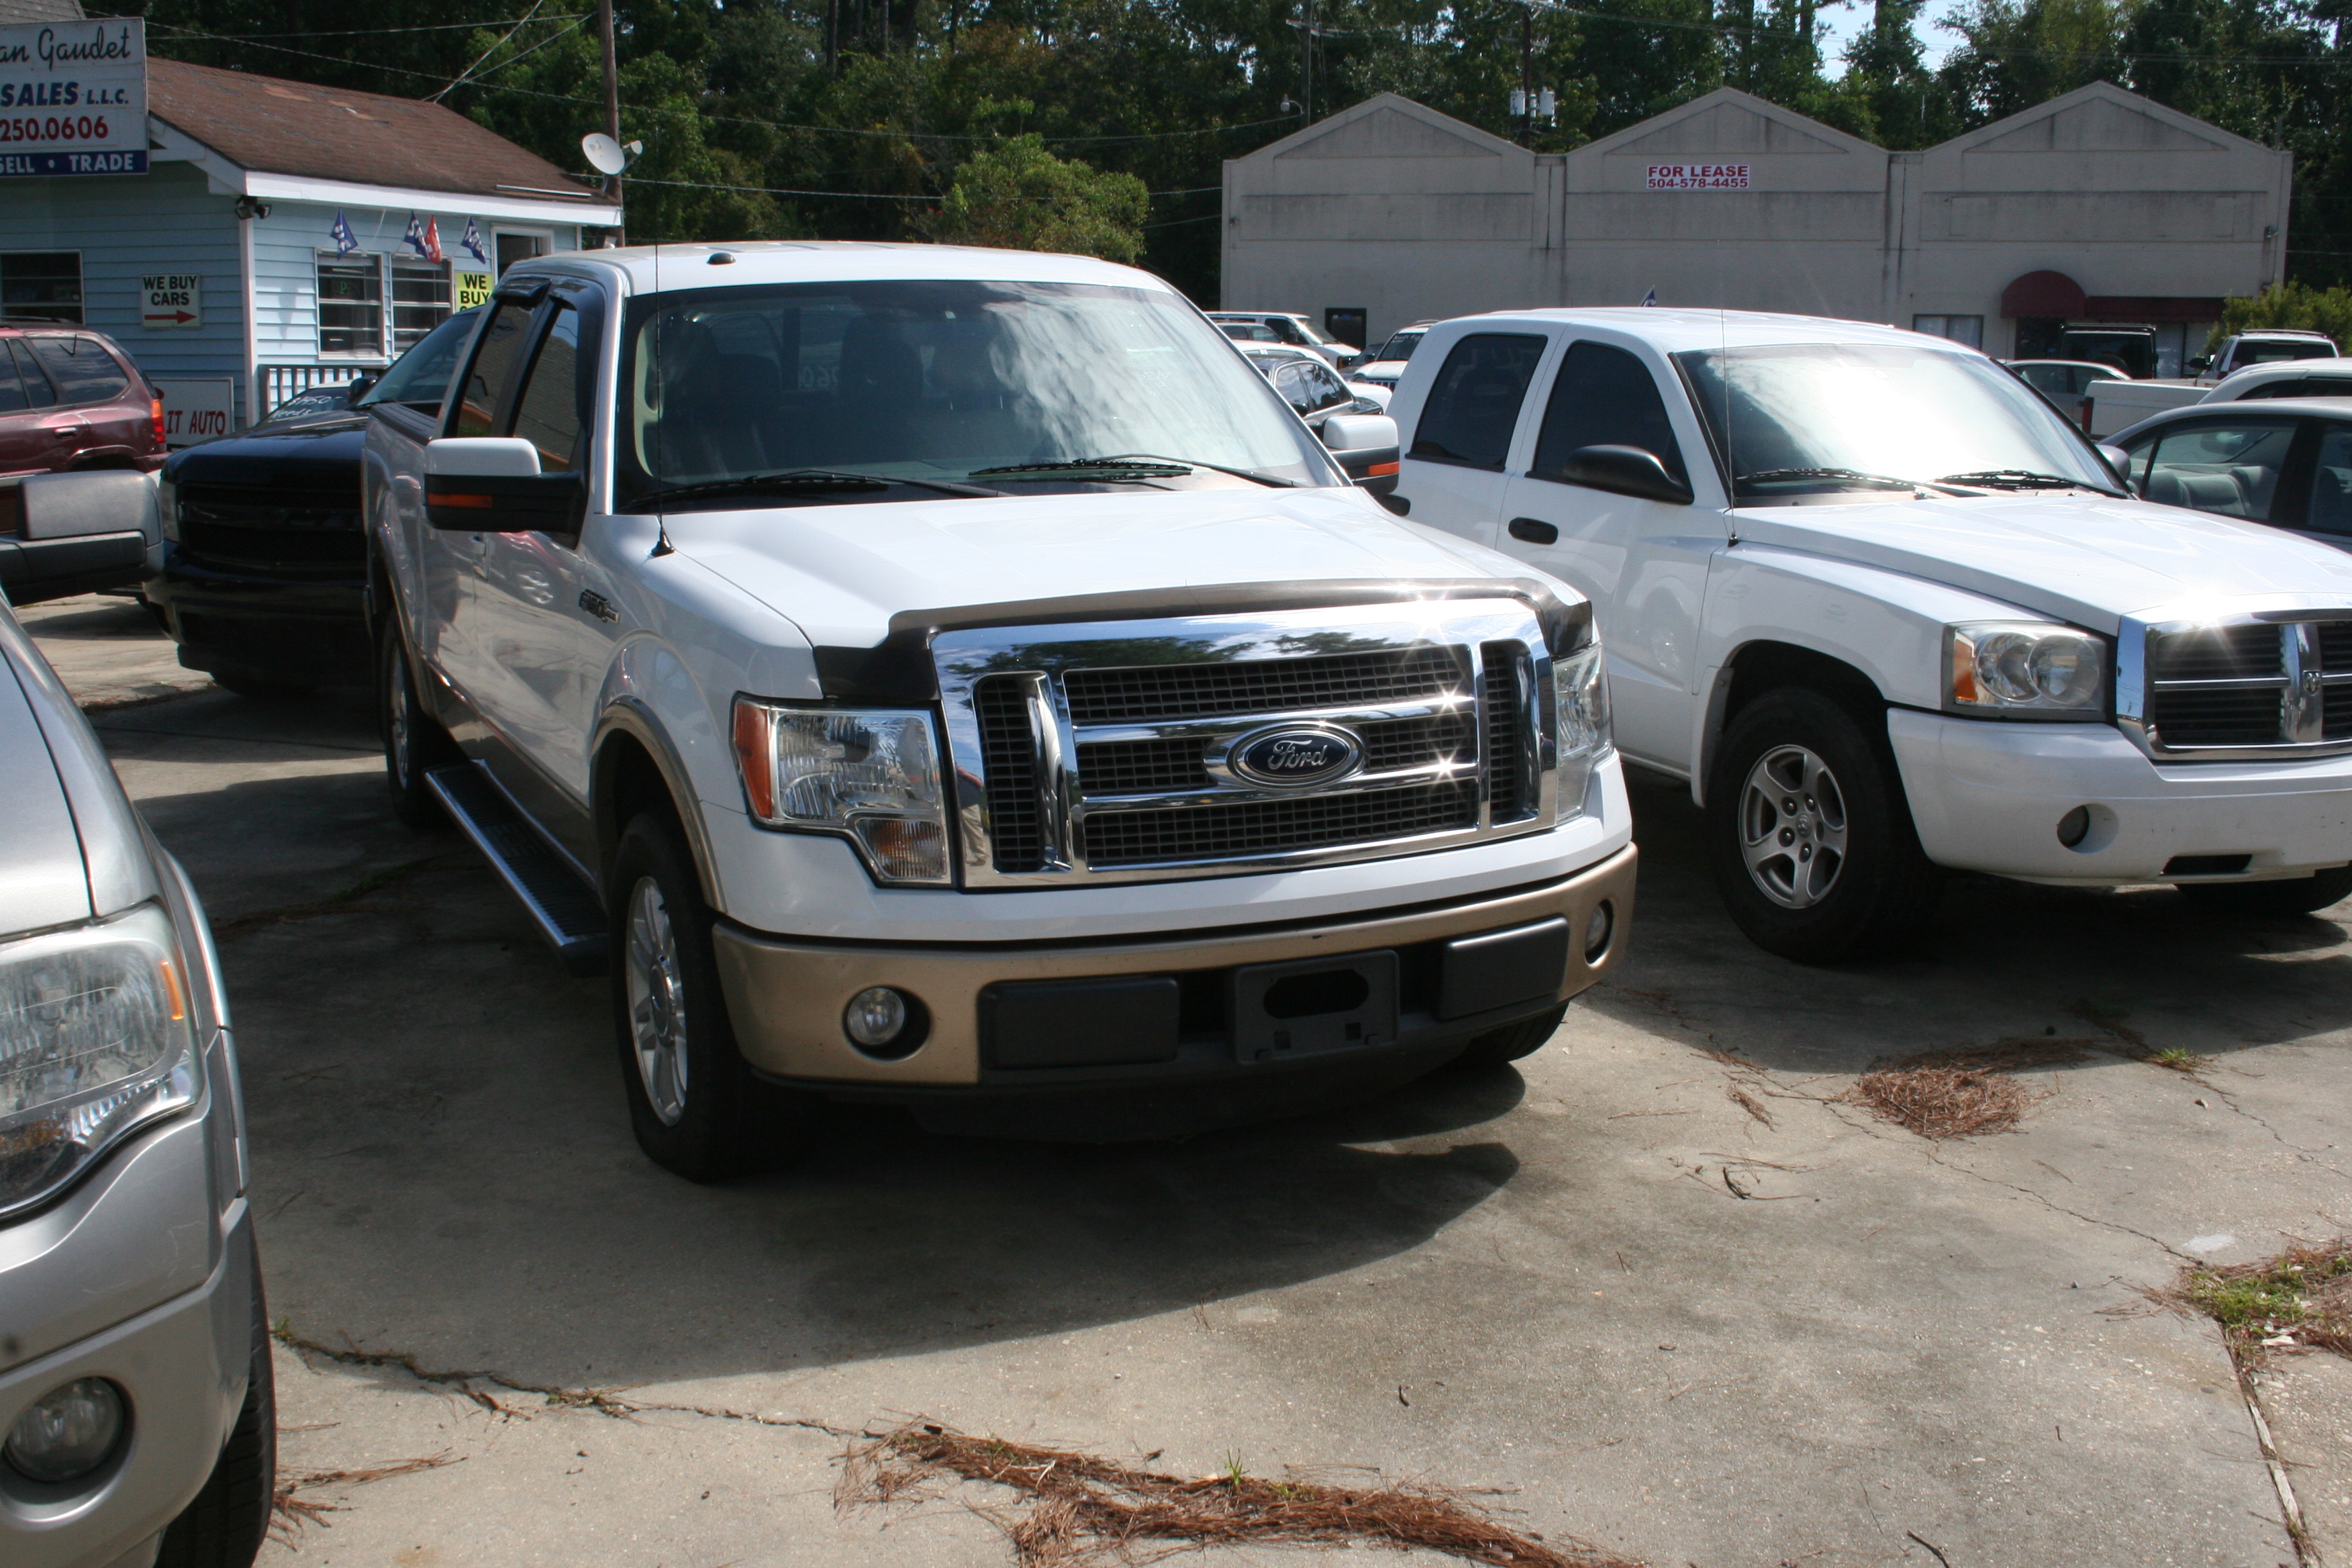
column 285, row 235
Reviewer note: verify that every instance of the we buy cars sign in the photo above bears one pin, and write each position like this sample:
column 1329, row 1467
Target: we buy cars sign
column 73, row 98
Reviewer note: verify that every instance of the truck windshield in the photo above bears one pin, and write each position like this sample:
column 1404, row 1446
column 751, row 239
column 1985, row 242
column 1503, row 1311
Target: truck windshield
column 916, row 384
column 1823, row 417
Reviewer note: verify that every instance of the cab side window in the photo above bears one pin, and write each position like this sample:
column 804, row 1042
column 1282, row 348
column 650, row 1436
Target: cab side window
column 2230, row 468
column 2331, row 482
column 1603, row 396
column 548, row 413
column 1475, row 403
column 493, row 367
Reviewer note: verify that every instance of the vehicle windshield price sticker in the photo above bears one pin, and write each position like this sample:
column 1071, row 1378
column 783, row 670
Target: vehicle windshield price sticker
column 170, row 299
column 1698, row 176
column 73, row 98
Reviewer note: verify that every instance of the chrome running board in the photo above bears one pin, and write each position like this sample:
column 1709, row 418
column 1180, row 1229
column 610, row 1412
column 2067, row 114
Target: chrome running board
column 565, row 910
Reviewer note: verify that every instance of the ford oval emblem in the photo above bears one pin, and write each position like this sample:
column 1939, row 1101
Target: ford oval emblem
column 1295, row 756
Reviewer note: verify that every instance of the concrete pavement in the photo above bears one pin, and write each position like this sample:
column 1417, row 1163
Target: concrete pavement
column 1660, row 1283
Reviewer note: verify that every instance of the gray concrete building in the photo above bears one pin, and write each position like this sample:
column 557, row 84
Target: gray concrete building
column 2098, row 205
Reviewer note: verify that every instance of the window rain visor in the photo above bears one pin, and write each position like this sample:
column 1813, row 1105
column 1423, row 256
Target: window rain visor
column 96, row 1040
column 931, row 380
column 1808, row 418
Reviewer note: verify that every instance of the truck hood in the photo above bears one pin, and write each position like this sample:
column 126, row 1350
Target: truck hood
column 840, row 573
column 2073, row 557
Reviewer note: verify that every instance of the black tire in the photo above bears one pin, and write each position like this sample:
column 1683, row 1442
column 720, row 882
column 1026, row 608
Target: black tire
column 666, row 980
column 1832, row 835
column 2291, row 896
column 263, row 690
column 1512, row 1041
column 224, row 1526
column 414, row 741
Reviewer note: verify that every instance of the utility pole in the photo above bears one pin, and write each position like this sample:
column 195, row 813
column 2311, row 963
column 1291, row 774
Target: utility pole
column 1306, row 67
column 1528, row 73
column 612, row 101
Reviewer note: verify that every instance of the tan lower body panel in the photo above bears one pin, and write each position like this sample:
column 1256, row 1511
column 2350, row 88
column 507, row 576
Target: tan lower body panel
column 786, row 998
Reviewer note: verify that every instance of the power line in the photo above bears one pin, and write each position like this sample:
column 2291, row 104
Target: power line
column 880, row 195
column 377, row 32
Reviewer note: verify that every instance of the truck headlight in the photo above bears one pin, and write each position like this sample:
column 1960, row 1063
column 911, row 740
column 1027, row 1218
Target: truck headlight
column 95, row 1041
column 167, row 508
column 2020, row 668
column 871, row 774
column 1582, row 680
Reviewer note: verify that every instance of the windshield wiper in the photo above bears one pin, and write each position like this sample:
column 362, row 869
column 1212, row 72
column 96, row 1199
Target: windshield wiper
column 1149, row 464
column 807, row 481
column 1844, row 476
column 2021, row 479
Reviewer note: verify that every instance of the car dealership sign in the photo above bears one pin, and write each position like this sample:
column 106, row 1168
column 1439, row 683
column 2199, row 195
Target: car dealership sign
column 1698, row 176
column 73, row 98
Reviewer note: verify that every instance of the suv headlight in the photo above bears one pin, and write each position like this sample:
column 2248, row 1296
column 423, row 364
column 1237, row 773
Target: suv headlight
column 2023, row 670
column 95, row 1041
column 1582, row 680
column 871, row 774
column 167, row 508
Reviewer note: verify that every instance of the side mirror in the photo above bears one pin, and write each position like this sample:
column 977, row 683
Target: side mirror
column 1366, row 446
column 359, row 387
column 2118, row 458
column 492, row 484
column 2197, row 365
column 82, row 532
column 1625, row 472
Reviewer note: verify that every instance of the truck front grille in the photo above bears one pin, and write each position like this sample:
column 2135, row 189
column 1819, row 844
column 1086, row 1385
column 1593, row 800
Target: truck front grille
column 300, row 534
column 1123, row 750
column 2267, row 685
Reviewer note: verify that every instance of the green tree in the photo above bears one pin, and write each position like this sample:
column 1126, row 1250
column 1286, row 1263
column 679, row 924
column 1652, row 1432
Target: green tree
column 2288, row 304
column 1017, row 196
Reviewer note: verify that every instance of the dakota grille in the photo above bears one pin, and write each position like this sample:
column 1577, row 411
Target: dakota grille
column 2230, row 686
column 1157, row 767
column 1143, row 694
column 1274, row 827
column 1016, row 826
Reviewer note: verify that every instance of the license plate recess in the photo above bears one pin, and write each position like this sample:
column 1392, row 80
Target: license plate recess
column 1313, row 1006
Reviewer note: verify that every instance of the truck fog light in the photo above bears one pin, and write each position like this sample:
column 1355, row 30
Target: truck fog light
column 883, row 1021
column 2074, row 827
column 1599, row 930
column 72, row 1431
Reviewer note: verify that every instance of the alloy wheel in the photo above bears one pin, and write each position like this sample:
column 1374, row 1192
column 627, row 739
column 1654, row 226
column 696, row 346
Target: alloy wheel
column 1792, row 827
column 397, row 721
column 658, row 1017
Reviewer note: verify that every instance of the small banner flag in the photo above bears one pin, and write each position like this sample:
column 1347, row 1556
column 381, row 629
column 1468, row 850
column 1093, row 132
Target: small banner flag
column 345, row 240
column 472, row 241
column 1651, row 297
column 425, row 241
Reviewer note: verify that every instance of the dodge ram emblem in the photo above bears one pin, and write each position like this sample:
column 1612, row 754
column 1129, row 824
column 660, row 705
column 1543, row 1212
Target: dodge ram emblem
column 1295, row 756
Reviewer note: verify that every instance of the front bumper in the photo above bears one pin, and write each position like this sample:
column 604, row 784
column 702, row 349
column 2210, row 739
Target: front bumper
column 302, row 631
column 184, row 1366
column 1988, row 797
column 786, row 997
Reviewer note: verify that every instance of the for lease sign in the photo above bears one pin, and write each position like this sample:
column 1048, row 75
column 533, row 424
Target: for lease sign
column 1698, row 176
column 73, row 98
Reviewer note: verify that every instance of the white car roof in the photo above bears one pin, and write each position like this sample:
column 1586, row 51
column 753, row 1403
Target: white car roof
column 661, row 268
column 2282, row 370
column 1675, row 330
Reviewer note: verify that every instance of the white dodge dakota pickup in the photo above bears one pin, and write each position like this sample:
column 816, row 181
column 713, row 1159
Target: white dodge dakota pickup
column 1888, row 613
column 956, row 677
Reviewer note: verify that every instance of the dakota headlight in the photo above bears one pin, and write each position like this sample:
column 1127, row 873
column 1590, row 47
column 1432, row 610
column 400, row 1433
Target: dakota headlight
column 95, row 1040
column 872, row 775
column 1581, row 681
column 2020, row 668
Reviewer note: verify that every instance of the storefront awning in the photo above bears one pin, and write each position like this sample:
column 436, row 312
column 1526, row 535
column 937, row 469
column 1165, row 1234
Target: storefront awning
column 2043, row 294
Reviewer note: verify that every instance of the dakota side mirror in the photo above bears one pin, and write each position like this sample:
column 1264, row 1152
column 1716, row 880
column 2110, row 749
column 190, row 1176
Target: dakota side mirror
column 1366, row 446
column 1625, row 472
column 82, row 532
column 492, row 484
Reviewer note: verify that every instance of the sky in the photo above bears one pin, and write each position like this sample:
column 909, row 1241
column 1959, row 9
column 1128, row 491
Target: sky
column 1837, row 25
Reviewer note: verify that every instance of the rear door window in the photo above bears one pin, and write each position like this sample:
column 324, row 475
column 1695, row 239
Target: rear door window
column 1474, row 405
column 2230, row 467
column 80, row 370
column 2331, row 482
column 487, row 377
column 1604, row 396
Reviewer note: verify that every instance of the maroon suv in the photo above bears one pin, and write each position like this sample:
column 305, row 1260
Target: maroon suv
column 70, row 399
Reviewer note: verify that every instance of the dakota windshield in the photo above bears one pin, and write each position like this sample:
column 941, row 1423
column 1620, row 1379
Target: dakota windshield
column 835, row 393
column 1813, row 418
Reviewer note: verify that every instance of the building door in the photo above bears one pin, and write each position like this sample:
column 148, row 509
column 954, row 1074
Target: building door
column 515, row 245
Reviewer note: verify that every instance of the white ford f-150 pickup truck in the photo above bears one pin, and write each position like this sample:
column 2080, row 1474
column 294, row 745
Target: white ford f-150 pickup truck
column 1888, row 613
column 956, row 677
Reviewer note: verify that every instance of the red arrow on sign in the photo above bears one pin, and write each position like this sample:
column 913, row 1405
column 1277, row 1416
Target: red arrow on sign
column 174, row 316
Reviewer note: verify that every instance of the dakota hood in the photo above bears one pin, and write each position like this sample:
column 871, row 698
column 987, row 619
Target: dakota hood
column 2090, row 561
column 840, row 573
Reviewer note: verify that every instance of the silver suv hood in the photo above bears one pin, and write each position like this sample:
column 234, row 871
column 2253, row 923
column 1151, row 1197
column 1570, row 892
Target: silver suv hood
column 2073, row 557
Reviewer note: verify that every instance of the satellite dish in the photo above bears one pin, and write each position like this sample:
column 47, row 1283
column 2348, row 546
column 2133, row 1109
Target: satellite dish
column 603, row 153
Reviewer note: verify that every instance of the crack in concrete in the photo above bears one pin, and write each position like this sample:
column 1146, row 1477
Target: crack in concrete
column 605, row 1402
column 1937, row 1156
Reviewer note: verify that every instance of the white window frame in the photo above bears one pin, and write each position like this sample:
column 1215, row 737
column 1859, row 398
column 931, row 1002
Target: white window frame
column 81, row 285
column 546, row 238
column 382, row 352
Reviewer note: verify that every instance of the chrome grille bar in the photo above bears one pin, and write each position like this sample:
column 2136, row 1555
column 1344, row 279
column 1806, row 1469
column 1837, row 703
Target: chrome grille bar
column 2262, row 683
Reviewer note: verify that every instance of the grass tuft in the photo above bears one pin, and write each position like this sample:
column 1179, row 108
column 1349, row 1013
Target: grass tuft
column 2302, row 1297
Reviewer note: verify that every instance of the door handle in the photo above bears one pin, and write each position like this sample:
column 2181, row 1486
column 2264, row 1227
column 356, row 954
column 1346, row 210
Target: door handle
column 1534, row 532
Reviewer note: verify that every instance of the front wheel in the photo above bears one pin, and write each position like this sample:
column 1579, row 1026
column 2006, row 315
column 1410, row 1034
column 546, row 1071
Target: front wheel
column 2288, row 896
column 414, row 741
column 1512, row 1041
column 693, row 1102
column 1810, row 839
